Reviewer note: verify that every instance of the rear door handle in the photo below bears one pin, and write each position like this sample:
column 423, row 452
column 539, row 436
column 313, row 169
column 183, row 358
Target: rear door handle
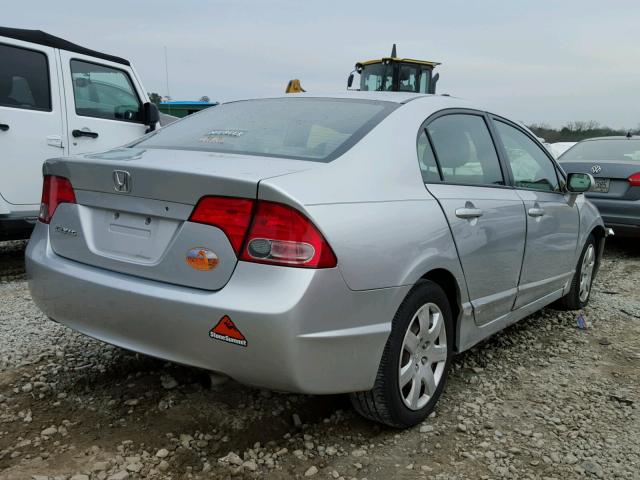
column 468, row 212
column 4, row 127
column 84, row 133
column 536, row 212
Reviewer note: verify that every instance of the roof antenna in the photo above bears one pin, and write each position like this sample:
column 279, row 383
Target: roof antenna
column 629, row 134
column 393, row 52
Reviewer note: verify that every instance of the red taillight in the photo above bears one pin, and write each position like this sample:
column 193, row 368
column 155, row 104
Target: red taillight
column 55, row 190
column 277, row 234
column 634, row 180
column 281, row 235
column 231, row 215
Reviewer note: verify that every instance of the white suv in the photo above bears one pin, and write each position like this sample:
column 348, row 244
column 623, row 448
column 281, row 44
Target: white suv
column 58, row 99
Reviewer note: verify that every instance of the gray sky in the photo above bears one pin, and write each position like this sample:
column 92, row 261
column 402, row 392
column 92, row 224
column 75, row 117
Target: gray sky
column 544, row 61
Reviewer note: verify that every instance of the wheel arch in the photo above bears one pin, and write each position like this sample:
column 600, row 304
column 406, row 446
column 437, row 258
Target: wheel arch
column 599, row 234
column 448, row 282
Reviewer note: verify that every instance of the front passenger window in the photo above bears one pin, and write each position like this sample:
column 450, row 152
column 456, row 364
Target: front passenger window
column 104, row 92
column 530, row 165
column 465, row 151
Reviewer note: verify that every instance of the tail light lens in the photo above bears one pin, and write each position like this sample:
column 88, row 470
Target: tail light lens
column 266, row 232
column 634, row 180
column 281, row 235
column 231, row 215
column 55, row 190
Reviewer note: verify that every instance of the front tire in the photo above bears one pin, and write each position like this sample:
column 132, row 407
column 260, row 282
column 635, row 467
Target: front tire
column 415, row 362
column 580, row 291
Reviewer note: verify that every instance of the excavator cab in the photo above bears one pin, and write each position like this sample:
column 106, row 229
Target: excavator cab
column 393, row 74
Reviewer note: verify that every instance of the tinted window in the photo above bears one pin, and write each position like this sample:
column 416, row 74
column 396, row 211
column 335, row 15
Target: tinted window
column 104, row 92
column 605, row 150
column 427, row 160
column 296, row 127
column 465, row 150
column 24, row 79
column 530, row 165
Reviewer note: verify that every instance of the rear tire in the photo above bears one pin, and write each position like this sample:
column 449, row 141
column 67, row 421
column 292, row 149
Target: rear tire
column 580, row 291
column 415, row 362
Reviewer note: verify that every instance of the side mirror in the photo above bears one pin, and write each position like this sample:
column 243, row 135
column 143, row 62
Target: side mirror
column 150, row 115
column 350, row 80
column 580, row 182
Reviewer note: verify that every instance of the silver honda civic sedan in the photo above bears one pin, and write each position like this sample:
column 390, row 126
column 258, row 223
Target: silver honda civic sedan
column 317, row 244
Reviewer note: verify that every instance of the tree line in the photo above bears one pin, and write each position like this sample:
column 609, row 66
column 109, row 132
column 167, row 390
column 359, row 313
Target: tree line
column 576, row 131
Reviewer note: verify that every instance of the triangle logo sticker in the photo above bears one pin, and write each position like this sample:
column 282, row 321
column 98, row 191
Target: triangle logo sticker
column 226, row 331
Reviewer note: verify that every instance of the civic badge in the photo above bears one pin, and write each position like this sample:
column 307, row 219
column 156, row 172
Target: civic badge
column 121, row 181
column 202, row 259
column 596, row 169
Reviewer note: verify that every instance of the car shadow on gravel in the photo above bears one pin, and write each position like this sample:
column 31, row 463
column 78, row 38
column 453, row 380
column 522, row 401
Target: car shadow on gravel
column 12, row 260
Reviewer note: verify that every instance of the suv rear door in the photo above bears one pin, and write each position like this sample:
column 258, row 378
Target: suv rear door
column 104, row 103
column 552, row 219
column 486, row 217
column 31, row 119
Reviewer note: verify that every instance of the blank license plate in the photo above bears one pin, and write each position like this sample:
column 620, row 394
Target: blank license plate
column 602, row 185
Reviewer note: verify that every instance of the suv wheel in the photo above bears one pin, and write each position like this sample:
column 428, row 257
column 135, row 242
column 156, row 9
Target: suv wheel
column 415, row 361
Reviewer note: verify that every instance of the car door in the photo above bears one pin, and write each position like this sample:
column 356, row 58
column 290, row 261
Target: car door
column 104, row 107
column 552, row 217
column 30, row 119
column 462, row 170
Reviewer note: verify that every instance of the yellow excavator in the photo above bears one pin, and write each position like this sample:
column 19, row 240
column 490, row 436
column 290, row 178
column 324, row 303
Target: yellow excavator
column 389, row 74
column 393, row 74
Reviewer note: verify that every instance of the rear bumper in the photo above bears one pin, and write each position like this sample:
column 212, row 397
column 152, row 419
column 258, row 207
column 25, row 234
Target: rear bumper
column 17, row 227
column 621, row 215
column 305, row 330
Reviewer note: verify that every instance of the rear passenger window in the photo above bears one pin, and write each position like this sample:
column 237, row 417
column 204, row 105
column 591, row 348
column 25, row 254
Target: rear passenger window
column 428, row 165
column 530, row 165
column 104, row 92
column 24, row 79
column 465, row 150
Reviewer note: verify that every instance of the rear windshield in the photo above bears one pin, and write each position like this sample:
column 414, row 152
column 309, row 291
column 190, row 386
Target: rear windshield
column 603, row 151
column 318, row 129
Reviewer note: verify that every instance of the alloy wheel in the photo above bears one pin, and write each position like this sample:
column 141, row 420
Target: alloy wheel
column 423, row 356
column 586, row 272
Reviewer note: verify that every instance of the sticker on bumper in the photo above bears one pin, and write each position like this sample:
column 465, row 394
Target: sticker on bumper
column 226, row 331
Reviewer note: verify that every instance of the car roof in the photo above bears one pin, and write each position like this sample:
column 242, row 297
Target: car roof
column 393, row 97
column 46, row 39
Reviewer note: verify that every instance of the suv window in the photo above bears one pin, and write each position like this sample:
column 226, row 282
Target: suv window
column 530, row 165
column 24, row 79
column 104, row 92
column 464, row 150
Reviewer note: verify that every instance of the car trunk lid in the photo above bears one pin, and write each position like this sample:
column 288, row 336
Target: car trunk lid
column 133, row 206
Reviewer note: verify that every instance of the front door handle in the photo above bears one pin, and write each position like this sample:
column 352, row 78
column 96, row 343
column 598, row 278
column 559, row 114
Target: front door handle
column 84, row 133
column 468, row 212
column 536, row 212
column 4, row 127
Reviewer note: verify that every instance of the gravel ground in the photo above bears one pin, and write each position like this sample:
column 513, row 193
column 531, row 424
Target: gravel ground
column 543, row 399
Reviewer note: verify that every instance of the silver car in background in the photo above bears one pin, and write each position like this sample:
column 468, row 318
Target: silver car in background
column 348, row 243
column 615, row 164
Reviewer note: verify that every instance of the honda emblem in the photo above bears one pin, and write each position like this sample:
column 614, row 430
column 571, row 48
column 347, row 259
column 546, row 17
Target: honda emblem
column 121, row 181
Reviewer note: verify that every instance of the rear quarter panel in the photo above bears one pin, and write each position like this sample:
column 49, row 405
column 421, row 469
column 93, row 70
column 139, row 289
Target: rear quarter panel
column 372, row 205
